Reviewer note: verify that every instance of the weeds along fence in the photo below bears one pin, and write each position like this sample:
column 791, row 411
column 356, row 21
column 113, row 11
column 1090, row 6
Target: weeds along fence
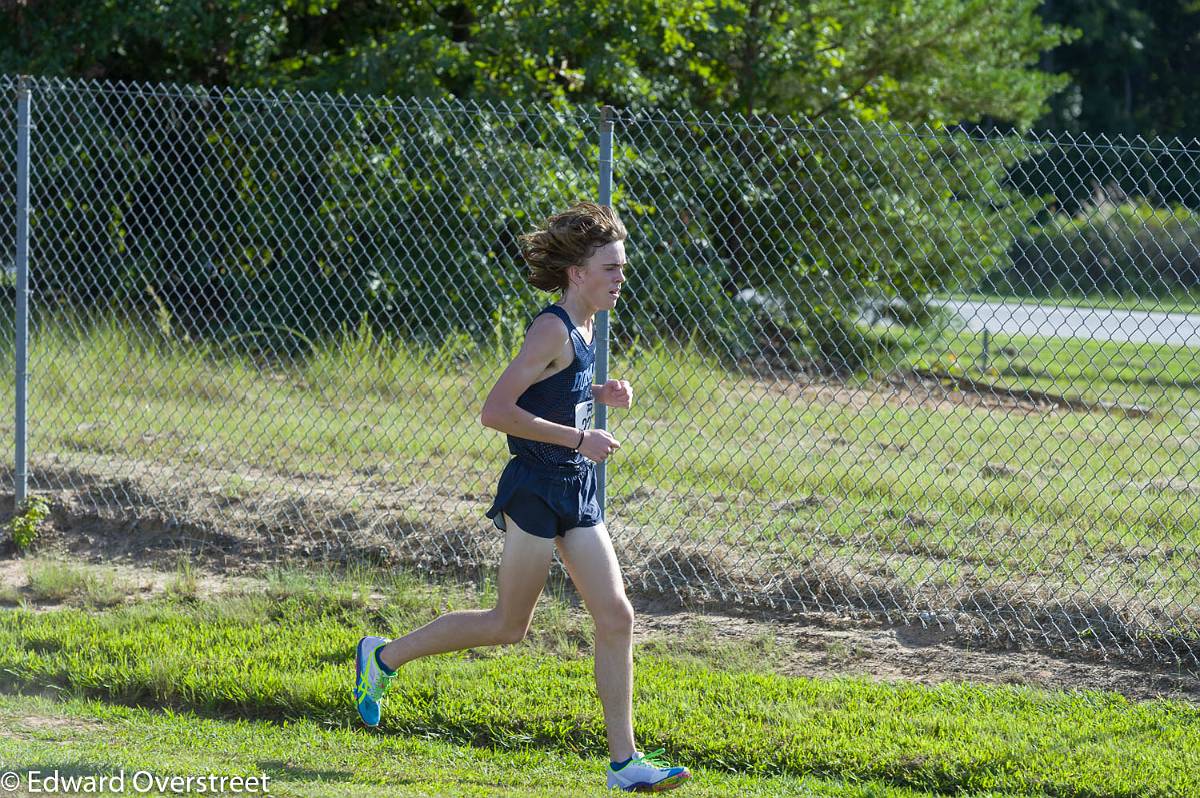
column 943, row 377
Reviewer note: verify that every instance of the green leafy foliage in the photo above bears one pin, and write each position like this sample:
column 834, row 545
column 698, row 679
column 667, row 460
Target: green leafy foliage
column 27, row 522
column 1132, row 65
column 1110, row 249
column 1133, row 73
column 933, row 61
column 814, row 219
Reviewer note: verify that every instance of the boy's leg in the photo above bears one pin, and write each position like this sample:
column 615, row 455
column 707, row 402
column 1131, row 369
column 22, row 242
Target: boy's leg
column 587, row 553
column 524, row 566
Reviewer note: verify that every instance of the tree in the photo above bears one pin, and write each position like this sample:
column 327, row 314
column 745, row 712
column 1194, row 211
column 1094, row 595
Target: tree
column 315, row 236
column 934, row 61
column 1134, row 68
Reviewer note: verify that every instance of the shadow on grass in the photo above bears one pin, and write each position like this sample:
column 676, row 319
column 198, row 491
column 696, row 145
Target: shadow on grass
column 68, row 778
column 282, row 770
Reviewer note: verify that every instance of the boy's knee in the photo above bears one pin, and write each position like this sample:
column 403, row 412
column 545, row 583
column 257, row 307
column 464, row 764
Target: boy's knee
column 508, row 631
column 512, row 635
column 615, row 618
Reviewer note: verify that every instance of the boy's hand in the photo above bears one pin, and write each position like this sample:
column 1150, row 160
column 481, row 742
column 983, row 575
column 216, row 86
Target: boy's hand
column 615, row 393
column 598, row 445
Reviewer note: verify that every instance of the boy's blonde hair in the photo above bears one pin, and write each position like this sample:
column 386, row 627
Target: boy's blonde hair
column 568, row 239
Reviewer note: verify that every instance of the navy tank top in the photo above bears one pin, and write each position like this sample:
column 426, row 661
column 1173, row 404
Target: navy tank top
column 564, row 398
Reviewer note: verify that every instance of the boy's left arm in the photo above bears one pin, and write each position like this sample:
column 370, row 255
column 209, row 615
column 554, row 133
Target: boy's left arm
column 614, row 393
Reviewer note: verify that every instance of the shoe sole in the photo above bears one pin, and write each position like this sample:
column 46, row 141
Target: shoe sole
column 358, row 663
column 669, row 783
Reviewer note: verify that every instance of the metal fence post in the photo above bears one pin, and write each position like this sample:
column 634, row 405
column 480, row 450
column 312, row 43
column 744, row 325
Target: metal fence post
column 606, row 150
column 20, row 474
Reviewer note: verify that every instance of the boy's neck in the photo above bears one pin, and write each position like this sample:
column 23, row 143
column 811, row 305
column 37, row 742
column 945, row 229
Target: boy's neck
column 581, row 316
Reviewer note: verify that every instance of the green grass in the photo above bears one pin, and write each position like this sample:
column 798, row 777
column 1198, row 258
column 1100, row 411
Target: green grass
column 1155, row 375
column 940, row 501
column 56, row 581
column 314, row 760
column 255, row 681
column 289, row 583
column 184, row 583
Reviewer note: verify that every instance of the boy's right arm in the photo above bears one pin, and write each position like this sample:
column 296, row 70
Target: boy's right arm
column 543, row 346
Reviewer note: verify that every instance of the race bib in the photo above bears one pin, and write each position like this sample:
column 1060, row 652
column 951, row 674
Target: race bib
column 583, row 414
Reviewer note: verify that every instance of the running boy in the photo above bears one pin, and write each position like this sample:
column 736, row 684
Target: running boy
column 546, row 496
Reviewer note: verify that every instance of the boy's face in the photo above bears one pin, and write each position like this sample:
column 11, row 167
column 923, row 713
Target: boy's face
column 599, row 282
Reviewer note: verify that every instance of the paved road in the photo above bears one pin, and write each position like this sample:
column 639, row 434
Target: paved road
column 1103, row 324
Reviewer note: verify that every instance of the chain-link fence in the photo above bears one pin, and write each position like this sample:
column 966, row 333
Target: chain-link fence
column 922, row 374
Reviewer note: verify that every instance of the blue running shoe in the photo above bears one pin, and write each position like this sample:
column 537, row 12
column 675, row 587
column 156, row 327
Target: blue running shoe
column 370, row 682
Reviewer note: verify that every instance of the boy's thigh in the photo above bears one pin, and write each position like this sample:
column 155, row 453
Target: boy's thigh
column 524, row 566
column 588, row 554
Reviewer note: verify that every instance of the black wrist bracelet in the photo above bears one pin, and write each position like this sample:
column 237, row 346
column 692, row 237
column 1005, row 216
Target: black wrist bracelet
column 580, row 442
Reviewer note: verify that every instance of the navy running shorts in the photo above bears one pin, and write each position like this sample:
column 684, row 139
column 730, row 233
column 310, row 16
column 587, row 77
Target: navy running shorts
column 546, row 501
